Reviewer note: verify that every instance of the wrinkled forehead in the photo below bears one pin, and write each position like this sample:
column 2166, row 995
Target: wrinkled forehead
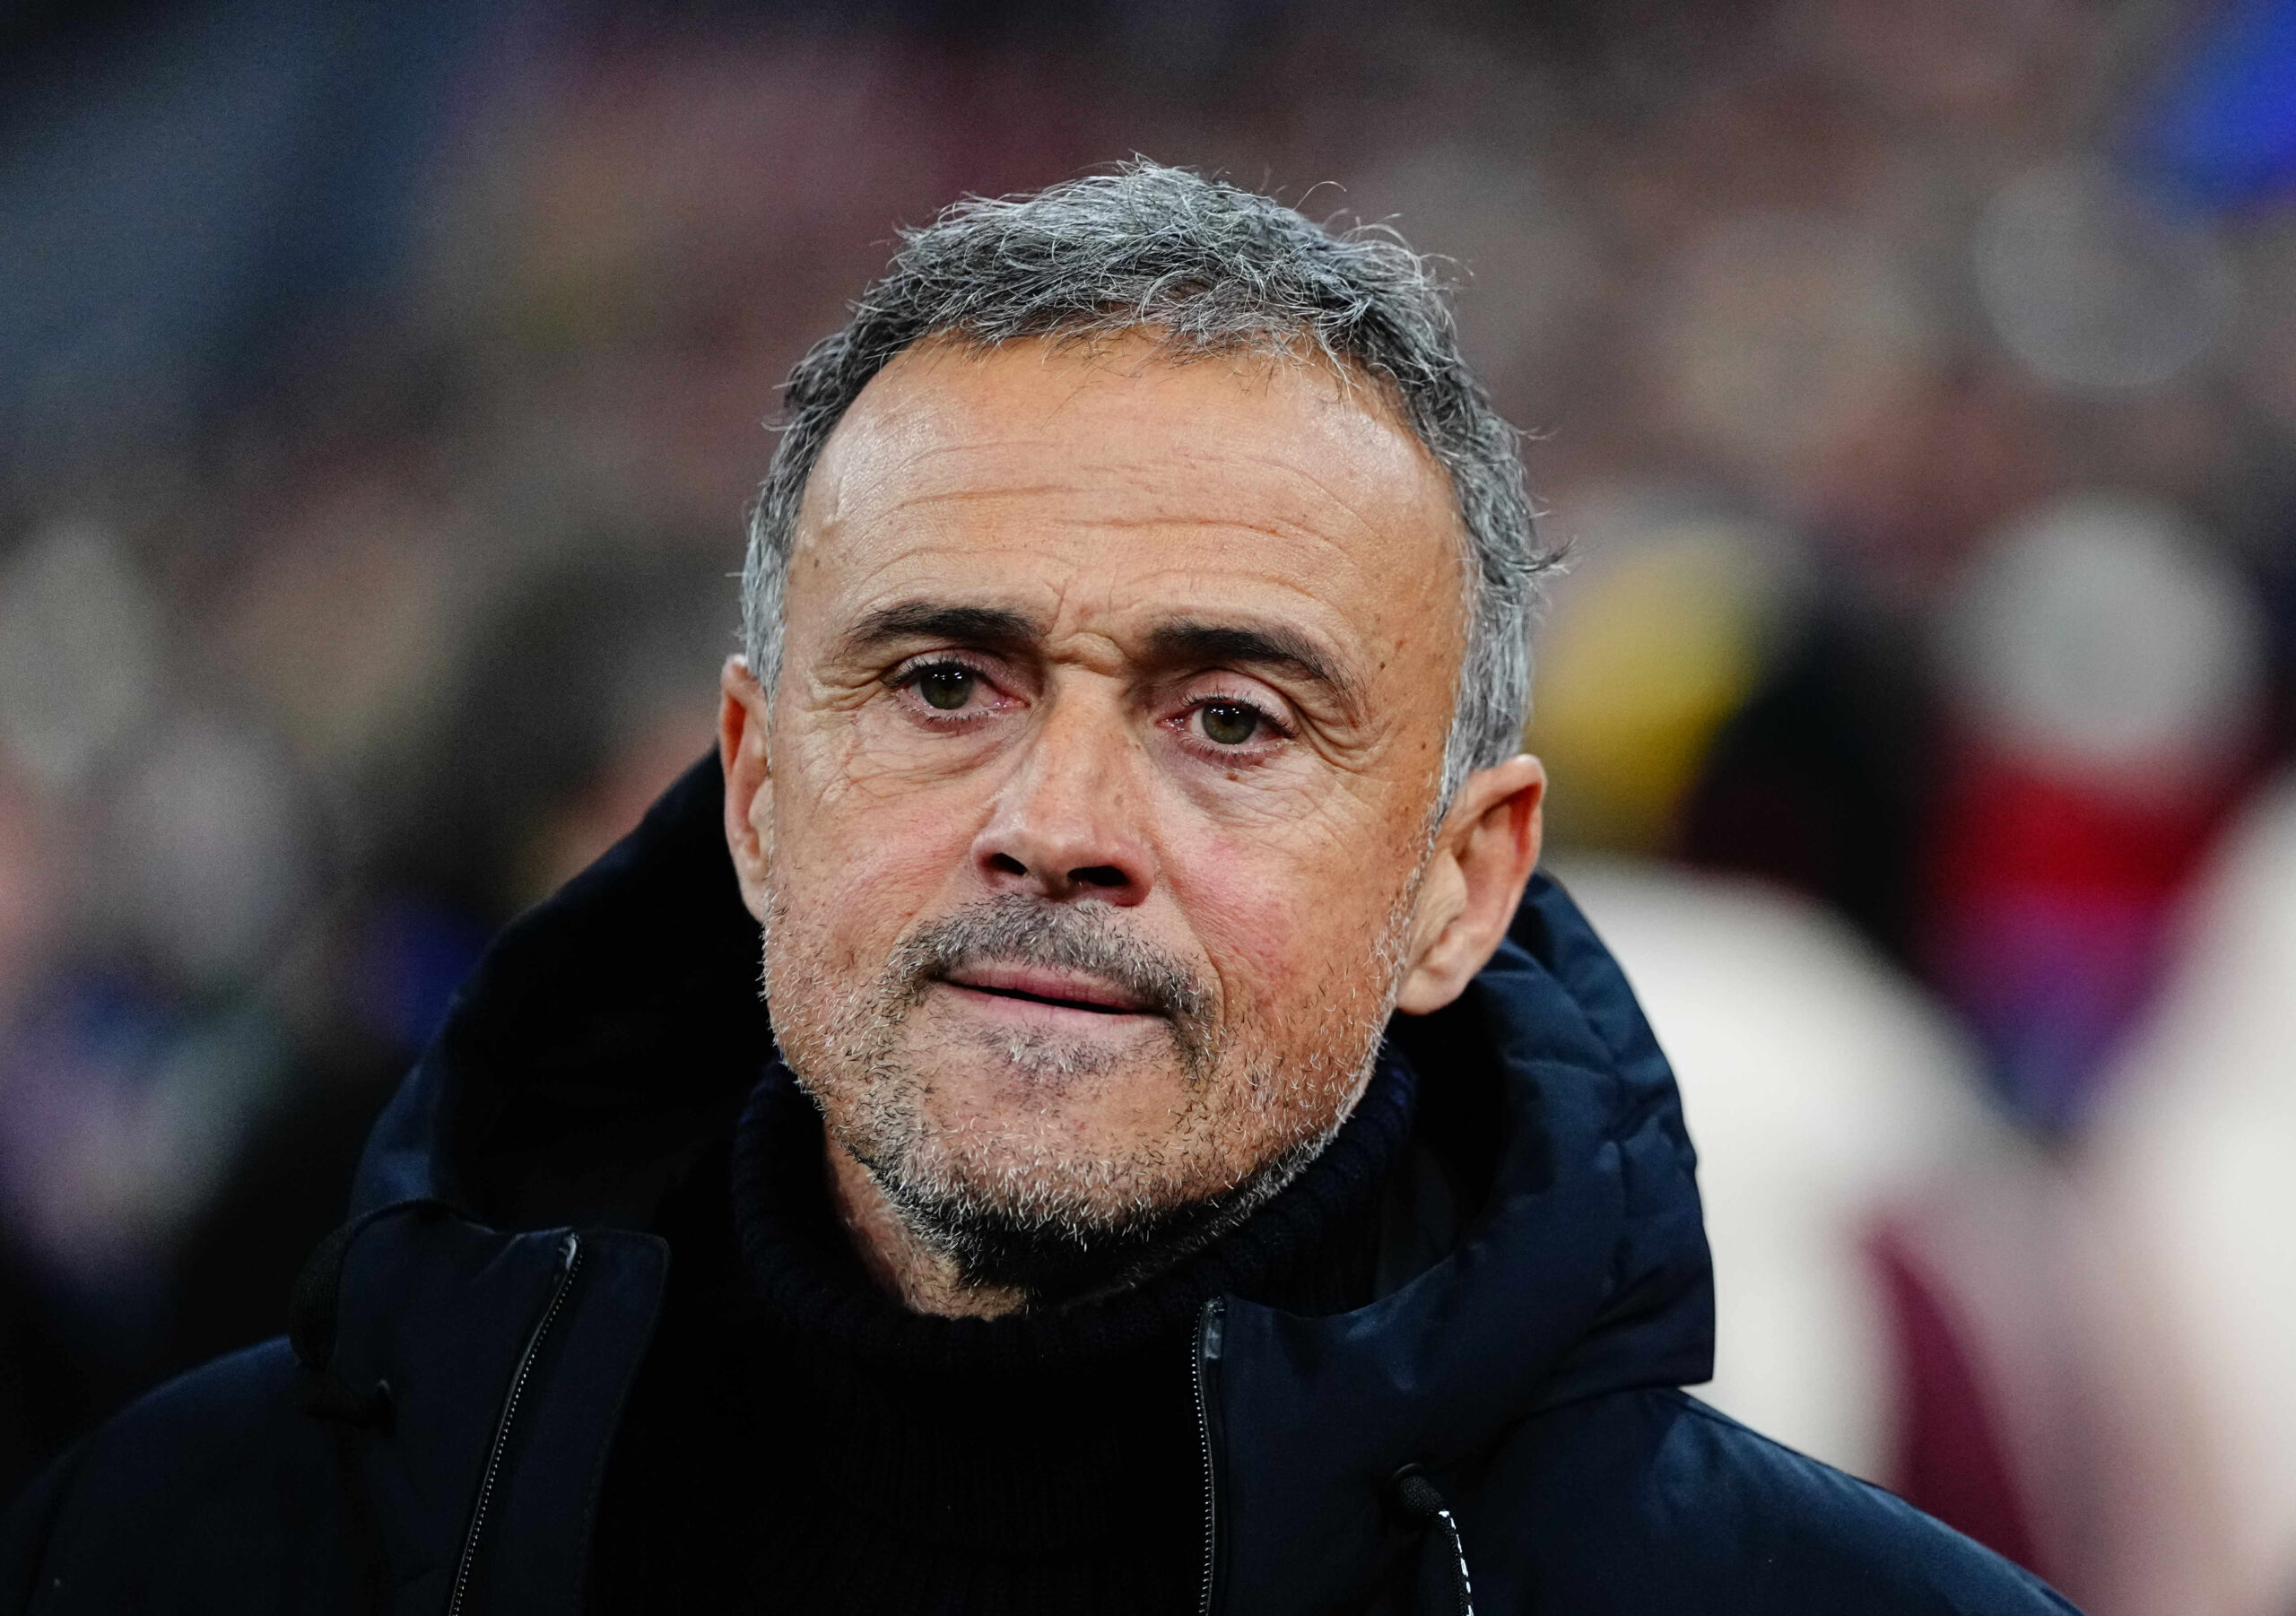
column 1113, row 470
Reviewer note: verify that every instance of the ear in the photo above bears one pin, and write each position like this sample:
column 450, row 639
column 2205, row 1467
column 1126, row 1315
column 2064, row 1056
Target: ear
column 749, row 779
column 1484, row 853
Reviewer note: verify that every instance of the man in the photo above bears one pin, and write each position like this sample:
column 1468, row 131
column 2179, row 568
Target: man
column 1184, row 1172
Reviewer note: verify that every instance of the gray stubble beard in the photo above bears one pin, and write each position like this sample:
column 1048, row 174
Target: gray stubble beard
column 1055, row 1228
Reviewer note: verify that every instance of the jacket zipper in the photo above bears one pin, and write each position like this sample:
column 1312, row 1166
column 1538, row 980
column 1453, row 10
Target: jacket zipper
column 1207, row 1354
column 570, row 1257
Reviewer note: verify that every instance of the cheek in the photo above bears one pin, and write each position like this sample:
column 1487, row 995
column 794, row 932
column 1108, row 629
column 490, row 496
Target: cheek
column 1290, row 928
column 859, row 863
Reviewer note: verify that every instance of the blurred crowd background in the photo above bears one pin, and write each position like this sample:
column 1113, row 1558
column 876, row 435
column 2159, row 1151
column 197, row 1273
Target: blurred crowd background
column 381, row 389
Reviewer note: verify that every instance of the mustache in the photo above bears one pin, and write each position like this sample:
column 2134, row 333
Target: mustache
column 1084, row 936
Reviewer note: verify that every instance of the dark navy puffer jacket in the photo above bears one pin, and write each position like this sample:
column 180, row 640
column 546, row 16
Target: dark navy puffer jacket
column 432, row 1435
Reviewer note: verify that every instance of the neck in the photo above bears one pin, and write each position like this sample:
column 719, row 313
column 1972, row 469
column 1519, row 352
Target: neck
column 916, row 1273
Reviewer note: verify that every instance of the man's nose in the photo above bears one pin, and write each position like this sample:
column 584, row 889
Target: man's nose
column 1067, row 822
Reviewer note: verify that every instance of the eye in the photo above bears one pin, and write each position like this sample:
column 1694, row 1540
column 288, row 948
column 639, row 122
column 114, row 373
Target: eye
column 947, row 686
column 1230, row 723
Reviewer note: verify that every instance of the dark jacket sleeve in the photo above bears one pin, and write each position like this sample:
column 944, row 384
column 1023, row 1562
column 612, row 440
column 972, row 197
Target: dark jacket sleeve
column 215, row 1492
column 1653, row 1501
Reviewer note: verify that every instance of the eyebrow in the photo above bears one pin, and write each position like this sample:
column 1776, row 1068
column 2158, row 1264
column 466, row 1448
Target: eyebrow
column 1263, row 645
column 995, row 627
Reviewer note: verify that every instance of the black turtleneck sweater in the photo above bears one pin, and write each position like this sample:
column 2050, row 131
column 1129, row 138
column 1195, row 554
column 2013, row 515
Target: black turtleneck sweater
column 799, row 1442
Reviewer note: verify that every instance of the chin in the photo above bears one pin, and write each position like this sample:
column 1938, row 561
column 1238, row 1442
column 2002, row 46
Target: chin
column 1049, row 1098
column 1034, row 1057
column 1063, row 1208
column 1065, row 1185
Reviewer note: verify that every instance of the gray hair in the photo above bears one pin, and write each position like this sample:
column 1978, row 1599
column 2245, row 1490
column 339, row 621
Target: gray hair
column 1207, row 268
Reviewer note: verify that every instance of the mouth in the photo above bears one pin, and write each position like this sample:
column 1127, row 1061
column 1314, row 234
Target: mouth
column 1037, row 985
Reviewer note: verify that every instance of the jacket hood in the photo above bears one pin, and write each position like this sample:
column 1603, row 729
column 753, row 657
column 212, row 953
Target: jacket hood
column 611, row 1034
column 606, row 1035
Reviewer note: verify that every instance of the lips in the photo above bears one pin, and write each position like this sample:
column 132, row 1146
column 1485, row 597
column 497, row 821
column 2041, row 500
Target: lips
column 1047, row 984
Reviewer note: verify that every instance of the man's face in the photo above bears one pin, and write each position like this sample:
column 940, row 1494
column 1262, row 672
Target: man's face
column 1099, row 772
